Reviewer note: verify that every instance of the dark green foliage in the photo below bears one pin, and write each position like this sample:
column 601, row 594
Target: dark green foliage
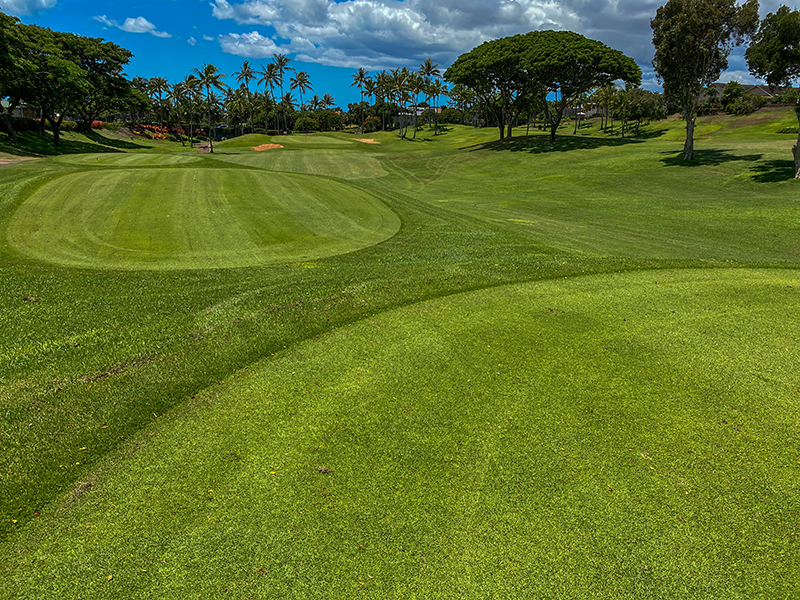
column 508, row 72
column 305, row 124
column 774, row 56
column 693, row 39
column 329, row 120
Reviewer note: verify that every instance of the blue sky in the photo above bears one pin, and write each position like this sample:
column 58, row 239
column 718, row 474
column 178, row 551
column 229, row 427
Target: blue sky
column 330, row 39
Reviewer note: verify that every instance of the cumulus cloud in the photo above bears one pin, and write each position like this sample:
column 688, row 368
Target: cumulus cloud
column 379, row 34
column 133, row 25
column 384, row 33
column 20, row 8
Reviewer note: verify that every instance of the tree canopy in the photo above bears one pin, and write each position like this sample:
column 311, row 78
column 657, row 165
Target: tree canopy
column 693, row 39
column 774, row 55
column 506, row 72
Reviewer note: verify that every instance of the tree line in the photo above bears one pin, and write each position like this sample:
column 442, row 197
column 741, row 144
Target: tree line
column 537, row 75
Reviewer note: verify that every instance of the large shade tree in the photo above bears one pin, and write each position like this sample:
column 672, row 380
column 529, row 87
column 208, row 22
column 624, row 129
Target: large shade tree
column 774, row 55
column 693, row 39
column 556, row 67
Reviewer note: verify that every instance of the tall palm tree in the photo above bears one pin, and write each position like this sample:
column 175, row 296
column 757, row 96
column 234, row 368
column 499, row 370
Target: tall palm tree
column 158, row 86
column 359, row 78
column 383, row 85
column 430, row 70
column 269, row 77
column 328, row 101
column 302, row 83
column 191, row 84
column 370, row 88
column 400, row 92
column 177, row 98
column 246, row 75
column 209, row 77
column 281, row 62
column 315, row 103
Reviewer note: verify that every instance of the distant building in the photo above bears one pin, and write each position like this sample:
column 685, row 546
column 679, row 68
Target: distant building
column 23, row 111
column 758, row 90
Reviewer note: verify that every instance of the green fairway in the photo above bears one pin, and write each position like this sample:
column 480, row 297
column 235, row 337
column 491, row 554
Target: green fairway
column 172, row 219
column 442, row 367
column 471, row 441
column 126, row 160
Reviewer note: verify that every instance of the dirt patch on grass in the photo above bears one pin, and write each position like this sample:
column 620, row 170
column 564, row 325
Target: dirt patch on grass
column 267, row 147
column 75, row 495
column 11, row 161
column 118, row 370
column 204, row 147
column 366, row 140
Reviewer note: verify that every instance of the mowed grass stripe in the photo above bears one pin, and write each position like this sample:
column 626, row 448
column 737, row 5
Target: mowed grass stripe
column 192, row 218
column 624, row 435
column 343, row 164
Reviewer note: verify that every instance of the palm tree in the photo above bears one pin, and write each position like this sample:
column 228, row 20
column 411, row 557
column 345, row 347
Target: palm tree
column 370, row 88
column 383, row 86
column 286, row 103
column 269, row 77
column 281, row 62
column 359, row 78
column 315, row 103
column 158, row 86
column 247, row 75
column 430, row 71
column 300, row 82
column 400, row 92
column 208, row 77
column 177, row 97
column 191, row 84
column 328, row 101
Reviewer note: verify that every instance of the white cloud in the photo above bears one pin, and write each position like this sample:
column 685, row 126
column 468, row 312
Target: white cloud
column 142, row 25
column 133, row 25
column 191, row 41
column 385, row 33
column 251, row 45
column 20, row 8
column 208, row 38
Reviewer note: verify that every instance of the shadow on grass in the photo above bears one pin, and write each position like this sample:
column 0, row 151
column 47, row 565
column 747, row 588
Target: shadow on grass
column 32, row 144
column 773, row 171
column 540, row 143
column 104, row 141
column 707, row 157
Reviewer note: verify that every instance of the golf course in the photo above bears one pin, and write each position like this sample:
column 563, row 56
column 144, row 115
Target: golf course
column 360, row 366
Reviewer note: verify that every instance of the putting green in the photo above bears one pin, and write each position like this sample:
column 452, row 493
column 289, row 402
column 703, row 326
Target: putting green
column 620, row 436
column 124, row 159
column 191, row 218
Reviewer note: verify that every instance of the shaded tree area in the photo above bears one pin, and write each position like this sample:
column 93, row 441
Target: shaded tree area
column 60, row 73
column 554, row 68
column 693, row 39
column 774, row 55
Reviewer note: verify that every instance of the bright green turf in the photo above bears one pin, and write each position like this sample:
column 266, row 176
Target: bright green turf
column 97, row 374
column 125, row 160
column 591, row 437
column 193, row 218
column 343, row 164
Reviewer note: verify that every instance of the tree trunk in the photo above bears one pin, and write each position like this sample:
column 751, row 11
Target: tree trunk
column 688, row 145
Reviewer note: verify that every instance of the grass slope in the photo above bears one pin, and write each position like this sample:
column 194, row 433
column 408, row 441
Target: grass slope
column 98, row 373
column 608, row 436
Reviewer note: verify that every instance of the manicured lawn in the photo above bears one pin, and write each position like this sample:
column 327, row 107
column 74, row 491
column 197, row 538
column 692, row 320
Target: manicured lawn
column 496, row 369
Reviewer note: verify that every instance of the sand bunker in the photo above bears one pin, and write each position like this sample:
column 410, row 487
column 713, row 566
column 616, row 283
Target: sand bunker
column 266, row 147
column 366, row 140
